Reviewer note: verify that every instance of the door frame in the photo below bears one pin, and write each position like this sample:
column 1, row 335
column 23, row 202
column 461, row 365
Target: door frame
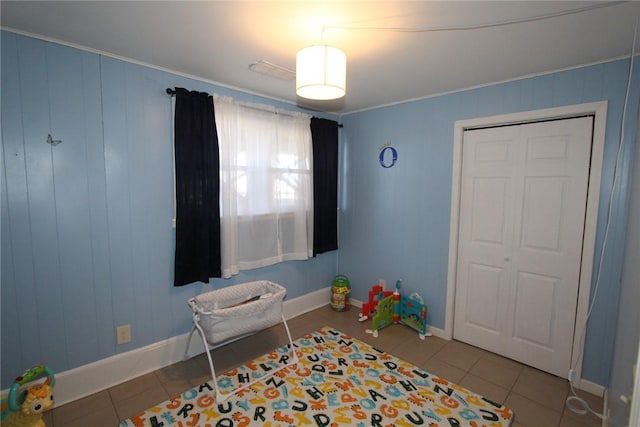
column 599, row 111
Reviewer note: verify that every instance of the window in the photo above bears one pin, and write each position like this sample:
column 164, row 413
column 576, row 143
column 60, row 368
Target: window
column 265, row 185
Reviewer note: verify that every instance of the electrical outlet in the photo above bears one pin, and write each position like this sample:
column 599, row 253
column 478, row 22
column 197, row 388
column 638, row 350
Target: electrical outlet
column 123, row 334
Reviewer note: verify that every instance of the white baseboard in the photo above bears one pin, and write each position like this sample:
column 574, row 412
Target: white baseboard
column 590, row 387
column 88, row 379
column 300, row 305
column 582, row 384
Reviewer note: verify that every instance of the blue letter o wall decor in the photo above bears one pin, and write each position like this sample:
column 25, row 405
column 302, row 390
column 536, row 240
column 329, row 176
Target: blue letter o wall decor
column 388, row 157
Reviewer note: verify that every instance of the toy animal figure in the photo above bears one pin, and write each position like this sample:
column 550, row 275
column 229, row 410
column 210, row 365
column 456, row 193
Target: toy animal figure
column 38, row 398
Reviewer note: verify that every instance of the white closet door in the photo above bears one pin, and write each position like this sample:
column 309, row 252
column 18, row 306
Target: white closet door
column 522, row 210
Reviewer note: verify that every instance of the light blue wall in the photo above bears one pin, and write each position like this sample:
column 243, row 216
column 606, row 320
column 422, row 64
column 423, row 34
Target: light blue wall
column 87, row 242
column 628, row 328
column 394, row 222
column 86, row 237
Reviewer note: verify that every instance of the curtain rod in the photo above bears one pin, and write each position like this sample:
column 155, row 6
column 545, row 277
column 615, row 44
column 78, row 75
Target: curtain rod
column 172, row 92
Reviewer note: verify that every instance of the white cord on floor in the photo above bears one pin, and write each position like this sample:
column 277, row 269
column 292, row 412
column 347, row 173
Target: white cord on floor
column 580, row 407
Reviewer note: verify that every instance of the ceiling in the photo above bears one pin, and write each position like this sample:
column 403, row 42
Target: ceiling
column 216, row 41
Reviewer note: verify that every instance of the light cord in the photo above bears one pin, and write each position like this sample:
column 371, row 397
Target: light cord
column 575, row 403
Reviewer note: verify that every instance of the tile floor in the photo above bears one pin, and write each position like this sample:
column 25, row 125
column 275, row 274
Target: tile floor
column 536, row 398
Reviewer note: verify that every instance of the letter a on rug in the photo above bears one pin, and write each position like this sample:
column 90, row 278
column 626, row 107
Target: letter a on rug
column 339, row 380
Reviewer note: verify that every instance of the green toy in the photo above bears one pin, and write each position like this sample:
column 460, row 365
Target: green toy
column 27, row 400
column 399, row 309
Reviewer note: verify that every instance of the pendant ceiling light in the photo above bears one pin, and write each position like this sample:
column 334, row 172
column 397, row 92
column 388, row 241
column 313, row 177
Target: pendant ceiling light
column 321, row 72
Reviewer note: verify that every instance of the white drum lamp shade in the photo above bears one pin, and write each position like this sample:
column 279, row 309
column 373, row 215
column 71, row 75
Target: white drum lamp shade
column 321, row 72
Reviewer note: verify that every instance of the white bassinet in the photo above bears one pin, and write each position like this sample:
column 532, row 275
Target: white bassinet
column 230, row 313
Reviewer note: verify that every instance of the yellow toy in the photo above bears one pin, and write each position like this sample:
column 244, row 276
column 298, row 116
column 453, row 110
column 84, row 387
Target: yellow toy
column 25, row 408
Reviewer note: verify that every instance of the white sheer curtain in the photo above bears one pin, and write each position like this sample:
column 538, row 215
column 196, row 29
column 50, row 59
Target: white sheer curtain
column 266, row 185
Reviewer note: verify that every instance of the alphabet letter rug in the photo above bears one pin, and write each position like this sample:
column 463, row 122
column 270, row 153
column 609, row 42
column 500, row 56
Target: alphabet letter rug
column 339, row 381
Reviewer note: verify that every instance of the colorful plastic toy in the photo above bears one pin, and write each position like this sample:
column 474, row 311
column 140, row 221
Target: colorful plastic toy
column 340, row 290
column 25, row 407
column 369, row 308
column 394, row 308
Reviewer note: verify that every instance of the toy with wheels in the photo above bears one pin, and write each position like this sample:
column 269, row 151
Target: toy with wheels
column 24, row 407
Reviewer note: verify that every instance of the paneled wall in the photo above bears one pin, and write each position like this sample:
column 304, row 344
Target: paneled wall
column 628, row 332
column 395, row 221
column 87, row 242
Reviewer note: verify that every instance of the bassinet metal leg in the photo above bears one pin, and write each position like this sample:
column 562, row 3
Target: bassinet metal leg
column 292, row 350
column 196, row 325
column 221, row 397
column 265, row 303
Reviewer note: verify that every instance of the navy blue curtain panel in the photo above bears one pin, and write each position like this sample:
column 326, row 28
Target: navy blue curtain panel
column 197, row 163
column 324, row 135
